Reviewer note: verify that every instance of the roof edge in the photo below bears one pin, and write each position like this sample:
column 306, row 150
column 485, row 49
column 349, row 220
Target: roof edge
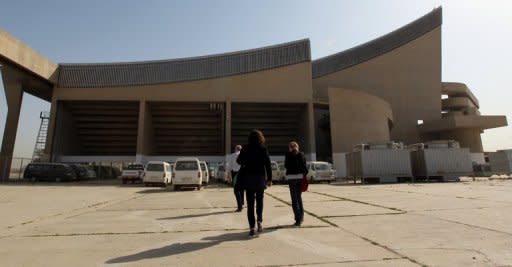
column 379, row 46
column 194, row 58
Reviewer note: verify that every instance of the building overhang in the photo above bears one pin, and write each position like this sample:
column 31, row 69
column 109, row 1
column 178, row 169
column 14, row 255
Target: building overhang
column 100, row 75
column 377, row 47
column 463, row 122
column 14, row 51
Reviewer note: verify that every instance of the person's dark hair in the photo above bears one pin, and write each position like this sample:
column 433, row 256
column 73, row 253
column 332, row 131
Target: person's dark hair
column 256, row 137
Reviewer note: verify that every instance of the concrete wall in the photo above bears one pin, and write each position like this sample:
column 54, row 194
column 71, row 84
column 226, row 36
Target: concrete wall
column 356, row 118
column 469, row 138
column 289, row 84
column 409, row 78
column 286, row 84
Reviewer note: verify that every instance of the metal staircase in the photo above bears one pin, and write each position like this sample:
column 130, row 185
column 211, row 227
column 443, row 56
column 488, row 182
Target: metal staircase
column 41, row 136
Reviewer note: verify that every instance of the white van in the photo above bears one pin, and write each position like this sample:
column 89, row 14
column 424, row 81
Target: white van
column 187, row 172
column 205, row 172
column 320, row 171
column 277, row 173
column 157, row 172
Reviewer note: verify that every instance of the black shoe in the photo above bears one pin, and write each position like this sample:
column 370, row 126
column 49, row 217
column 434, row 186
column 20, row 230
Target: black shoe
column 297, row 223
column 260, row 228
column 238, row 210
column 251, row 233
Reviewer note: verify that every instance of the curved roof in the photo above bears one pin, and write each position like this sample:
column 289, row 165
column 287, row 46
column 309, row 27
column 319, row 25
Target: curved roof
column 379, row 46
column 184, row 69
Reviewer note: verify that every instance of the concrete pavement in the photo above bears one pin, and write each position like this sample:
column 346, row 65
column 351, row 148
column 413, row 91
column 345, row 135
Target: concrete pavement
column 438, row 224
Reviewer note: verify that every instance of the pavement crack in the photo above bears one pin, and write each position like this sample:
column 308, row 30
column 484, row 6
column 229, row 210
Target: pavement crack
column 331, row 262
column 163, row 231
column 362, row 215
column 375, row 243
column 358, row 201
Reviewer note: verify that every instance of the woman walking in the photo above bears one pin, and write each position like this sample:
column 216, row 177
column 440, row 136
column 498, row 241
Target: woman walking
column 295, row 164
column 255, row 163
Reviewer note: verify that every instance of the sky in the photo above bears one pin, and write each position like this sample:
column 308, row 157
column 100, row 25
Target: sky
column 476, row 37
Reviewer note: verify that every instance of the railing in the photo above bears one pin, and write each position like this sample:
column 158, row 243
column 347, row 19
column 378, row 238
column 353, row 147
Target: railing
column 18, row 165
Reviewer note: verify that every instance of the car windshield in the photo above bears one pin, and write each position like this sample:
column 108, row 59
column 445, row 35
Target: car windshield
column 155, row 167
column 186, row 166
column 203, row 167
column 134, row 167
column 321, row 167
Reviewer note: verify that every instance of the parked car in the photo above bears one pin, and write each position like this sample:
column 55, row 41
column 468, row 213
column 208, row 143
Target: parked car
column 319, row 171
column 157, row 173
column 133, row 173
column 91, row 174
column 277, row 172
column 57, row 172
column 220, row 174
column 205, row 172
column 80, row 171
column 107, row 172
column 187, row 172
column 281, row 178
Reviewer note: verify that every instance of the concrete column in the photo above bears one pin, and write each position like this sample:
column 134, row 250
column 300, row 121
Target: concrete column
column 141, row 144
column 468, row 137
column 145, row 133
column 14, row 95
column 227, row 131
column 311, row 142
column 51, row 130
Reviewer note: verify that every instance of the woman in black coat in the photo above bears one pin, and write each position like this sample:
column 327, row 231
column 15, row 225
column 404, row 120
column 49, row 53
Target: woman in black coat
column 254, row 176
column 295, row 164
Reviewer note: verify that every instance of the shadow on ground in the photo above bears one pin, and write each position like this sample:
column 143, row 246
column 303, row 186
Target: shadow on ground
column 196, row 215
column 181, row 248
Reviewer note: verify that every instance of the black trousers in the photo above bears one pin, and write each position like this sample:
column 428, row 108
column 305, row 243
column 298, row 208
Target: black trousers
column 296, row 196
column 238, row 191
column 253, row 196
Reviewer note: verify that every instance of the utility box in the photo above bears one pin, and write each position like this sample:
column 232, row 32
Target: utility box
column 443, row 160
column 501, row 161
column 384, row 162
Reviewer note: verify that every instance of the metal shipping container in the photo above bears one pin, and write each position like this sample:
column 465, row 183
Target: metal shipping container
column 501, row 161
column 441, row 161
column 384, row 162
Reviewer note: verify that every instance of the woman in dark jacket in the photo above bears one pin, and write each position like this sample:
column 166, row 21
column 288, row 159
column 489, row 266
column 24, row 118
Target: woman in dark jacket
column 295, row 164
column 255, row 163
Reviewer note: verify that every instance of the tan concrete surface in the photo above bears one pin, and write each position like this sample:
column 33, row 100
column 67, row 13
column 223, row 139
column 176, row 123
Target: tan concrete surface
column 439, row 224
column 24, row 56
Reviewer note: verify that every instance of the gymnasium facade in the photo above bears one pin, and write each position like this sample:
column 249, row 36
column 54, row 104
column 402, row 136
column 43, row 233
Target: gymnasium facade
column 386, row 89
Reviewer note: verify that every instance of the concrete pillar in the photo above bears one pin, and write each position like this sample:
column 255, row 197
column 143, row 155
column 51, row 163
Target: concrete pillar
column 311, row 142
column 469, row 137
column 51, row 130
column 227, row 131
column 141, row 144
column 145, row 133
column 14, row 95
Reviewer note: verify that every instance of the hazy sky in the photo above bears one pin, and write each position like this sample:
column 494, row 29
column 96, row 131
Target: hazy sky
column 476, row 38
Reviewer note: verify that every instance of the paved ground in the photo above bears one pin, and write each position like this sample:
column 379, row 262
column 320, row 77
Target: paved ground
column 438, row 224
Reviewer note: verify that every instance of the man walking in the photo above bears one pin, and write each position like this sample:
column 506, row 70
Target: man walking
column 233, row 168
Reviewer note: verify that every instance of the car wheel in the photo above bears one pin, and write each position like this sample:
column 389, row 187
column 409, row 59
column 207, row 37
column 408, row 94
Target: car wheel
column 124, row 181
column 176, row 187
column 33, row 179
column 58, row 180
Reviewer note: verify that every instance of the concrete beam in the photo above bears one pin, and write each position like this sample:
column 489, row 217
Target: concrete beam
column 463, row 121
column 14, row 95
column 27, row 58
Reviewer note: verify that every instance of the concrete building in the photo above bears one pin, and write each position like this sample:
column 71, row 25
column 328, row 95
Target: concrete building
column 138, row 111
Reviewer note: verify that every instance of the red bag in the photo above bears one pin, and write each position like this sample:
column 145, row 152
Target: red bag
column 304, row 184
